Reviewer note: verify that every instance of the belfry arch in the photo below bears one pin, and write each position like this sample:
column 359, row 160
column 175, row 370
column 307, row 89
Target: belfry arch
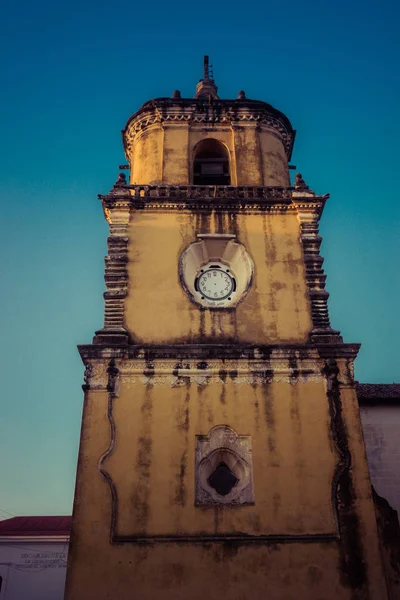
column 211, row 164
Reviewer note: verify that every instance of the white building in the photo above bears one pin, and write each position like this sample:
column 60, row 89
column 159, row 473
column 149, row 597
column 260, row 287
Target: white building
column 380, row 417
column 33, row 557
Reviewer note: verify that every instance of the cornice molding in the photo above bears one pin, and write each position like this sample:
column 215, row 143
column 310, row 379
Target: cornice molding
column 199, row 198
column 217, row 112
column 199, row 355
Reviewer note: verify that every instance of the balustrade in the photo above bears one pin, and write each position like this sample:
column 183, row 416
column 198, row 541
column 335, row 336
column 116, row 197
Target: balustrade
column 209, row 192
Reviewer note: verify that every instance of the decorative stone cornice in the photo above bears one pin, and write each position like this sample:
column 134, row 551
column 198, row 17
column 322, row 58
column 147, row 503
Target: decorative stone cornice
column 211, row 111
column 290, row 367
column 204, row 357
column 208, row 197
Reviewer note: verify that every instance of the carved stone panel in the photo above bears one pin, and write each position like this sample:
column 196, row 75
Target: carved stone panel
column 224, row 471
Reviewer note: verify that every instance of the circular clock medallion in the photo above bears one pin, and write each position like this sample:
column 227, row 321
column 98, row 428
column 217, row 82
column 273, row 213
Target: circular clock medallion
column 216, row 272
column 215, row 283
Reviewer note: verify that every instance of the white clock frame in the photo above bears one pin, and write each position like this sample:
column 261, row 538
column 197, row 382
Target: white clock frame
column 213, row 252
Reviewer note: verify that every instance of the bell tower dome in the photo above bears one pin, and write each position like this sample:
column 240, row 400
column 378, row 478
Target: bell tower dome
column 161, row 139
column 221, row 450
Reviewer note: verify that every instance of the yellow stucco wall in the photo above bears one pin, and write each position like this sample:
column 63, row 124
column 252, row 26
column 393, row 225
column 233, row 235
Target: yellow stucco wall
column 175, row 154
column 152, row 466
column 363, row 503
column 288, row 426
column 274, row 162
column 164, row 153
column 147, row 156
column 213, row 571
column 158, row 310
column 248, row 156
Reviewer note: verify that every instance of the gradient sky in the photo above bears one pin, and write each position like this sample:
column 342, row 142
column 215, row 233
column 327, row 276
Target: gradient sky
column 71, row 75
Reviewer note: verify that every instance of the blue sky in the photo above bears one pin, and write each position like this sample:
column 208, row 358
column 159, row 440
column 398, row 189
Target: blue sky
column 71, row 75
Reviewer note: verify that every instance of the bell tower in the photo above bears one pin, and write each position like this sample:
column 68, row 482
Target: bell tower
column 221, row 449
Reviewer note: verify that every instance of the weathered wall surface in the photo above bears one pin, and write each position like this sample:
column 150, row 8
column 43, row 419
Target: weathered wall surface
column 153, row 462
column 381, row 425
column 274, row 161
column 214, row 571
column 147, row 156
column 248, row 156
column 143, row 440
column 157, row 309
column 175, row 155
column 359, row 531
column 165, row 154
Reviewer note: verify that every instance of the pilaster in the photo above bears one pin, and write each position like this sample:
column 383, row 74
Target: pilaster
column 310, row 209
column 116, row 275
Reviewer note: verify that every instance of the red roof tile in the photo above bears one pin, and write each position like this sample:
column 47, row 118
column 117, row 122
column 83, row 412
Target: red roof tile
column 35, row 526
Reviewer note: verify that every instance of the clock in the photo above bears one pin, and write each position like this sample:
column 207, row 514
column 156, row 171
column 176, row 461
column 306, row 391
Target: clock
column 215, row 282
column 216, row 272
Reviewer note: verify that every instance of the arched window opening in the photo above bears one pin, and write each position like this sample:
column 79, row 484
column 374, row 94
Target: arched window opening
column 211, row 164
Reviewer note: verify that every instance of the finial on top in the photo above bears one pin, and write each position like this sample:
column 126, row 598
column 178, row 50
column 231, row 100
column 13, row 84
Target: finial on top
column 241, row 95
column 176, row 94
column 206, row 68
column 299, row 183
column 206, row 87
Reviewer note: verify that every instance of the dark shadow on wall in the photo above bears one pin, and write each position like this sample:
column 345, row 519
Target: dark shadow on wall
column 389, row 539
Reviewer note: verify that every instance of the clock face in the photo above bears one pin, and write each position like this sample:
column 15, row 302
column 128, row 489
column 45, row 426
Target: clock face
column 215, row 283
